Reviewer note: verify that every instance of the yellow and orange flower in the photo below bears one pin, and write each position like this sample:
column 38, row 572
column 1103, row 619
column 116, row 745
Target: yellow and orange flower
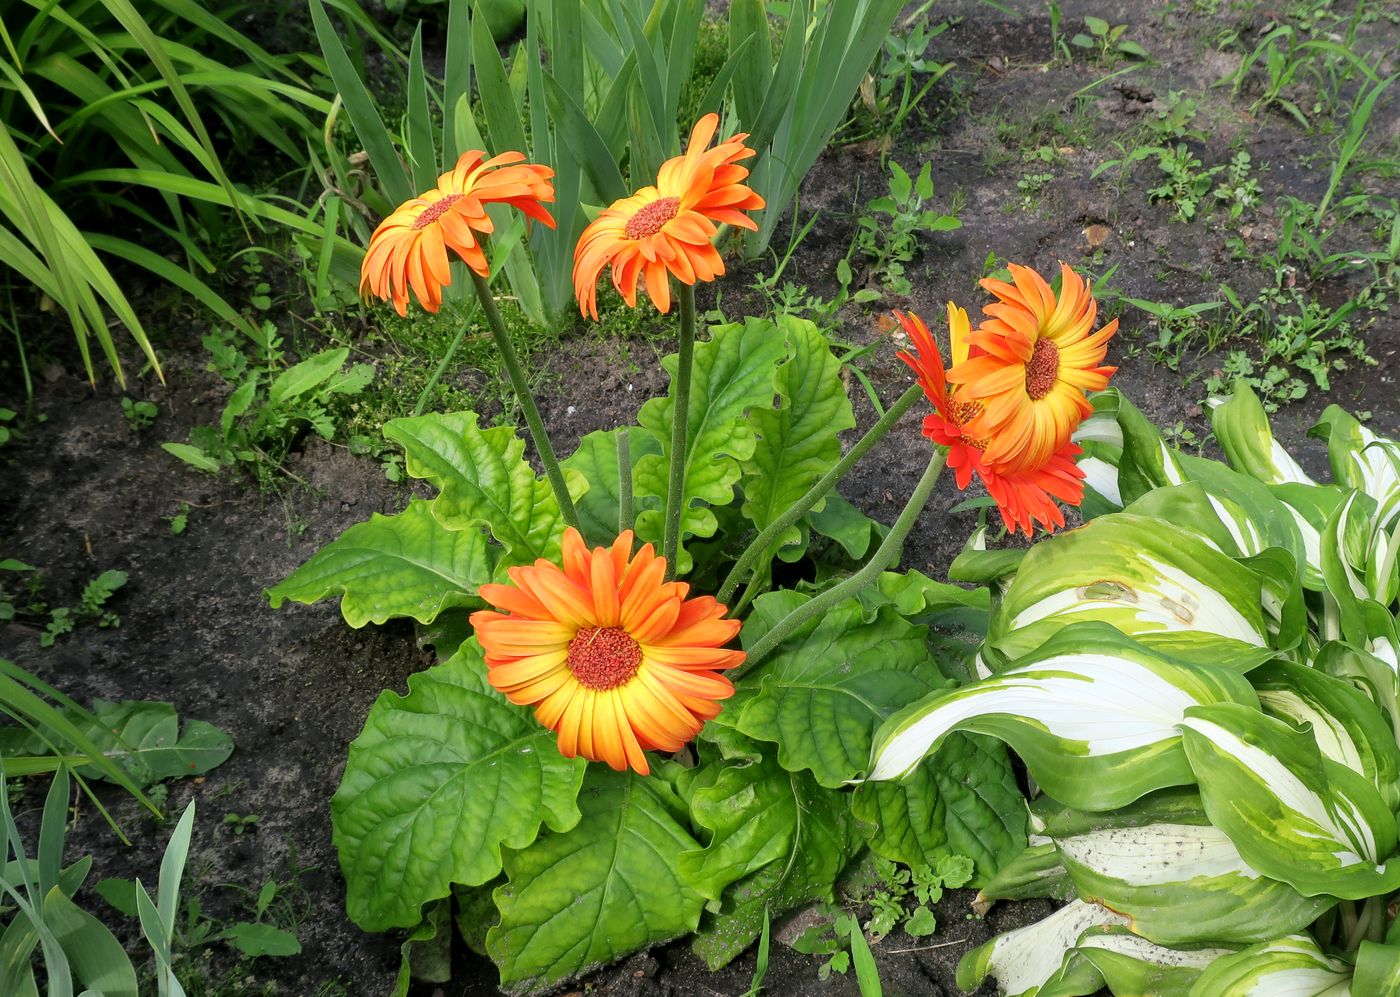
column 409, row 248
column 1024, row 495
column 665, row 230
column 613, row 658
column 1037, row 356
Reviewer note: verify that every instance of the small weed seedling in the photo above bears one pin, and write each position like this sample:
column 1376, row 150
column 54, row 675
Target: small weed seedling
column 1106, row 41
column 241, row 823
column 140, row 414
column 91, row 606
column 1186, row 182
column 888, row 91
column 180, row 521
column 1238, row 192
column 7, row 418
column 888, row 231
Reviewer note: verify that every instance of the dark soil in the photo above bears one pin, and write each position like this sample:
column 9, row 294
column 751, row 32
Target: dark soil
column 81, row 492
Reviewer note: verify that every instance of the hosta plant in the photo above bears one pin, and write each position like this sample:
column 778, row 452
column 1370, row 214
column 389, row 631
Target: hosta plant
column 1202, row 682
column 685, row 603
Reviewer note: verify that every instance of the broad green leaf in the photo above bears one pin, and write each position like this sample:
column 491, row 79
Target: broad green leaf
column 826, row 688
column 192, row 456
column 1146, row 461
column 1360, row 458
column 777, row 840
column 484, row 481
column 303, row 377
column 962, row 800
column 1292, row 965
column 95, row 956
column 257, row 939
column 602, row 889
column 1242, row 427
column 1377, row 969
column 1150, row 579
column 919, row 598
column 1293, row 815
column 731, row 375
column 1023, row 961
column 797, row 440
column 1092, row 713
column 1183, row 883
column 847, row 525
column 404, row 565
column 1347, row 727
column 1035, row 872
column 1133, row 965
column 435, row 784
column 596, row 460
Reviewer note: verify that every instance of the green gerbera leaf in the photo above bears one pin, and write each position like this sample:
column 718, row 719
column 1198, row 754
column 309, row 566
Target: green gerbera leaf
column 604, row 888
column 436, row 783
column 484, row 482
column 404, row 565
column 826, row 688
column 797, row 441
column 730, row 375
column 962, row 800
column 777, row 840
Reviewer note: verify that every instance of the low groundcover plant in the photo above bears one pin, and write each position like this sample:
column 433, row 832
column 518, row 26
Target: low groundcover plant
column 1201, row 681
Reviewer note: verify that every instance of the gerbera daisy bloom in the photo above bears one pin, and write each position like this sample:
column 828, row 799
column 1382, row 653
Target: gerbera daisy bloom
column 1036, row 357
column 666, row 230
column 615, row 660
column 409, row 248
column 1024, row 496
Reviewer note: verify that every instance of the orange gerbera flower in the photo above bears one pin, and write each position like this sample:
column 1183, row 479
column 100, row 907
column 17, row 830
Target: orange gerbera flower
column 615, row 660
column 666, row 229
column 409, row 248
column 1025, row 495
column 1037, row 357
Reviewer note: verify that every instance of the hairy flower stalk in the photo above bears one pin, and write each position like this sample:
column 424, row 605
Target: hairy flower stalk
column 882, row 559
column 764, row 542
column 680, row 424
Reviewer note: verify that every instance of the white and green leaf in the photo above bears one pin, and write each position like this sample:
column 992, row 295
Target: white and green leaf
column 1292, row 965
column 1092, row 713
column 1242, row 427
column 1023, row 961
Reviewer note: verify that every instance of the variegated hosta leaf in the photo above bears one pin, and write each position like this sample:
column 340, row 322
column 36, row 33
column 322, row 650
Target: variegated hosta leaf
column 1133, row 965
column 1035, row 872
column 730, row 375
column 1101, row 438
column 1269, row 516
column 1093, row 713
column 1310, row 506
column 797, row 439
column 1348, row 728
column 1025, row 960
column 1373, row 675
column 1360, row 458
column 1291, row 965
column 484, row 481
column 1346, row 550
column 404, row 565
column 1293, row 815
column 1150, row 579
column 1180, row 883
column 1242, row 427
column 1147, row 462
column 1220, row 522
column 1377, row 969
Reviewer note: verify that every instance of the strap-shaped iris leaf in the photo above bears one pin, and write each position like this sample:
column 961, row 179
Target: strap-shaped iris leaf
column 436, row 783
column 602, row 889
column 1093, row 713
column 404, row 565
column 730, row 375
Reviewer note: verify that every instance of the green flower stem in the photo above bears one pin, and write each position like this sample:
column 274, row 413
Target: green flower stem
column 882, row 559
column 442, row 364
column 765, row 541
column 680, row 421
column 527, row 401
column 624, row 479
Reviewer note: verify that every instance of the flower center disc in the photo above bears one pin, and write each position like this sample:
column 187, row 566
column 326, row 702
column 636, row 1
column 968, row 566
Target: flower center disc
column 649, row 219
column 1043, row 369
column 603, row 657
column 435, row 211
